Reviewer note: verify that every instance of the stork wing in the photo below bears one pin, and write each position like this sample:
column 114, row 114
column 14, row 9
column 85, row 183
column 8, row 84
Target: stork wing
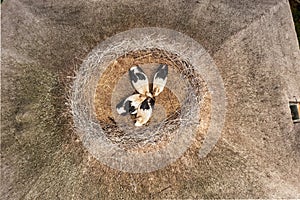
column 160, row 79
column 139, row 80
column 144, row 112
column 130, row 104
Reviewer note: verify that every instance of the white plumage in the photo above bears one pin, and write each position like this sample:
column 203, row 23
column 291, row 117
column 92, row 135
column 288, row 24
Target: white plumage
column 139, row 80
column 160, row 79
column 142, row 104
column 144, row 112
column 130, row 104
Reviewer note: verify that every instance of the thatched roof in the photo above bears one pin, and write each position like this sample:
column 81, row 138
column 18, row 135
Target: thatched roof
column 254, row 47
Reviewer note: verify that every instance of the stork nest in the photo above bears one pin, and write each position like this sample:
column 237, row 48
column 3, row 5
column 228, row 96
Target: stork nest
column 179, row 108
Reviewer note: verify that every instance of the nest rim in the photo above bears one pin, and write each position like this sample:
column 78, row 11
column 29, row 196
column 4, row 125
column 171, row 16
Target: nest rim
column 86, row 124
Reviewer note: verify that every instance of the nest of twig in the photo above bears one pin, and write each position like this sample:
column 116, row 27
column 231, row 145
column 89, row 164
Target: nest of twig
column 181, row 109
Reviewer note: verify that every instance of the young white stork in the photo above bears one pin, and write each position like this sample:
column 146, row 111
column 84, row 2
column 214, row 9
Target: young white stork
column 130, row 104
column 139, row 80
column 144, row 112
column 160, row 79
